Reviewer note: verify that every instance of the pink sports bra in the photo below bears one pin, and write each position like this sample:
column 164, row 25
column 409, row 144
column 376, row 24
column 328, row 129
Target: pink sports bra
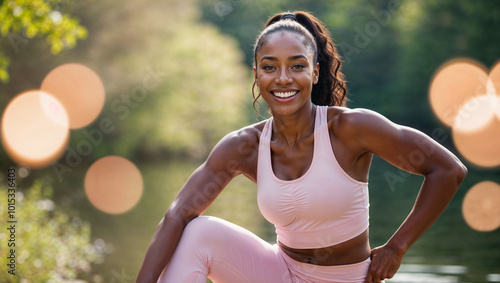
column 323, row 207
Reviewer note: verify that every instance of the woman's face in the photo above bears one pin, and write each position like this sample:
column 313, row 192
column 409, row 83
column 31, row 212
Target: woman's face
column 285, row 73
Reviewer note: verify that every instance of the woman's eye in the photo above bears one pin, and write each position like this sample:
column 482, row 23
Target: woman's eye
column 298, row 67
column 268, row 68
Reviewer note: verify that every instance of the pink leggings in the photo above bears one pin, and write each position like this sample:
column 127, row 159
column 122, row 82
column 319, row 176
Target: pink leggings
column 227, row 253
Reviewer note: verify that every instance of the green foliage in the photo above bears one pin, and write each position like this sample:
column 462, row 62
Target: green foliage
column 201, row 99
column 244, row 19
column 177, row 86
column 42, row 18
column 4, row 64
column 49, row 247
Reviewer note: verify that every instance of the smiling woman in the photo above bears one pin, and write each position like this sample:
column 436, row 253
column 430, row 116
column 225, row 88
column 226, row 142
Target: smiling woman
column 318, row 42
column 310, row 162
column 289, row 61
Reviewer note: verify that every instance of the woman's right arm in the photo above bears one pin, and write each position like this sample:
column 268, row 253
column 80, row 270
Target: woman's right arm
column 200, row 190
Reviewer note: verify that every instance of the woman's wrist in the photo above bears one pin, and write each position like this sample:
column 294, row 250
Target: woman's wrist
column 399, row 247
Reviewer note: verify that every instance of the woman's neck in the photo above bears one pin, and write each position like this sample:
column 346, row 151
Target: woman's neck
column 293, row 128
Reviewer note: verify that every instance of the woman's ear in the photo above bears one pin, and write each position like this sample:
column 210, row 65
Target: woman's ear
column 316, row 74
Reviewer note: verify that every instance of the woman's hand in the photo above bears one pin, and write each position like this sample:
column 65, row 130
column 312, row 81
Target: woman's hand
column 385, row 263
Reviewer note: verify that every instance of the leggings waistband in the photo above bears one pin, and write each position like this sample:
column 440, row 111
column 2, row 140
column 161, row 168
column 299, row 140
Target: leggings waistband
column 305, row 272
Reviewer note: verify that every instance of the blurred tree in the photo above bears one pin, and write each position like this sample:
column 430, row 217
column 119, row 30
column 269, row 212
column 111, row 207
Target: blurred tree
column 21, row 20
column 367, row 43
column 201, row 98
column 245, row 19
column 173, row 85
column 49, row 245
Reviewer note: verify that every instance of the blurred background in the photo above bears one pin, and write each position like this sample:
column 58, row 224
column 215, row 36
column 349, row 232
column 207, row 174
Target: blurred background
column 138, row 92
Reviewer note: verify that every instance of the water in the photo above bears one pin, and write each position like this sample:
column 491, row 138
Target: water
column 429, row 273
column 421, row 273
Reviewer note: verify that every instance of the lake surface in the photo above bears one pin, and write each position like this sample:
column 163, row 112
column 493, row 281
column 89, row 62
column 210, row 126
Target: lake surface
column 420, row 273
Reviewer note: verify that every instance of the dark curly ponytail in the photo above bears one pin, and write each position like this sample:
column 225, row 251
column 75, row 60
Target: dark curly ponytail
column 331, row 89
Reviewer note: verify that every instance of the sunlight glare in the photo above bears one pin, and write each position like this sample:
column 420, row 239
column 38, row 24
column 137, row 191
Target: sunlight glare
column 476, row 133
column 453, row 84
column 79, row 89
column 481, row 206
column 113, row 184
column 35, row 129
column 494, row 76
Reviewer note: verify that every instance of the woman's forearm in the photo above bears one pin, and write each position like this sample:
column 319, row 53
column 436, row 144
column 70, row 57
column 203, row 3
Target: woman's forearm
column 436, row 192
column 160, row 249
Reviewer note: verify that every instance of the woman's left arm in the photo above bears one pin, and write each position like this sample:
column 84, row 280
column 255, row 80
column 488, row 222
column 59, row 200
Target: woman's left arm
column 414, row 152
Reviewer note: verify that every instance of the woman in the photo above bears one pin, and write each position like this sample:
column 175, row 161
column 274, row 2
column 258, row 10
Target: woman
column 310, row 162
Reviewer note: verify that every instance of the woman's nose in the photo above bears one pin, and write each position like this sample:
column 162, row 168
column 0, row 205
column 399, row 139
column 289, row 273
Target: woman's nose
column 284, row 77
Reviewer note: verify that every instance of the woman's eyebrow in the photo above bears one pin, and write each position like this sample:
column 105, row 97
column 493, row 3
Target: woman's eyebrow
column 294, row 57
column 271, row 58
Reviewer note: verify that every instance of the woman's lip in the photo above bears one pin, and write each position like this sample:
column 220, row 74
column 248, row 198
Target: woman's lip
column 286, row 99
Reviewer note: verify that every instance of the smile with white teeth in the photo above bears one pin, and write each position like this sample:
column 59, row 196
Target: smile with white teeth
column 285, row 94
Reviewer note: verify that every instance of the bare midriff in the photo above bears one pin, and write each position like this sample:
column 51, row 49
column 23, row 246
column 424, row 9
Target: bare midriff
column 351, row 251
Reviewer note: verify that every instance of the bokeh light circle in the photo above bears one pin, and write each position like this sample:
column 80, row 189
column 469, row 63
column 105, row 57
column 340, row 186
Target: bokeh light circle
column 35, row 129
column 79, row 89
column 476, row 114
column 476, row 133
column 23, row 172
column 481, row 206
column 453, row 84
column 494, row 77
column 113, row 184
column 498, row 108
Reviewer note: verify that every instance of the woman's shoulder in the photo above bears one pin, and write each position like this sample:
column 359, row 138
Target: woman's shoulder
column 350, row 116
column 350, row 120
column 247, row 134
column 241, row 143
column 237, row 152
